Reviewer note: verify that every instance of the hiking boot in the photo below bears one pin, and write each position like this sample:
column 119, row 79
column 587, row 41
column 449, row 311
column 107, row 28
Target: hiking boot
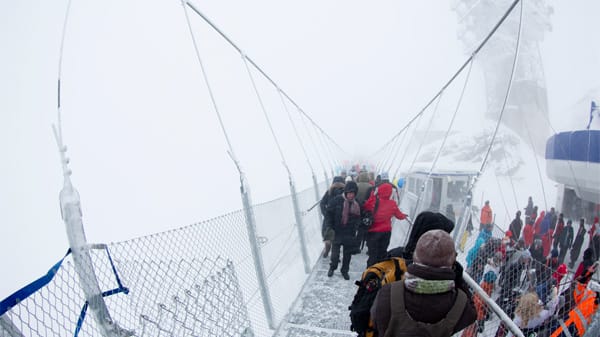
column 345, row 275
column 330, row 272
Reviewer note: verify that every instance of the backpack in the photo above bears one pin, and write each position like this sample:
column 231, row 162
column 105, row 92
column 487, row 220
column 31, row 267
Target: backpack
column 368, row 217
column 372, row 279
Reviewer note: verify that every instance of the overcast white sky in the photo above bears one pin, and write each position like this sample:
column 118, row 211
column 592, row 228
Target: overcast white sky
column 146, row 150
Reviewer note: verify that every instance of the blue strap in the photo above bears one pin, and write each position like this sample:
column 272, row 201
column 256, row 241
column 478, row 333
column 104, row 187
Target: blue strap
column 23, row 293
column 118, row 290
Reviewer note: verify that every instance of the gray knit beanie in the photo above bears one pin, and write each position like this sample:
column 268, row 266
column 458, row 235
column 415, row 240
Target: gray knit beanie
column 435, row 248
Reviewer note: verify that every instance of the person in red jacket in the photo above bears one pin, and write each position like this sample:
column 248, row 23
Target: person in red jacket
column 528, row 235
column 380, row 232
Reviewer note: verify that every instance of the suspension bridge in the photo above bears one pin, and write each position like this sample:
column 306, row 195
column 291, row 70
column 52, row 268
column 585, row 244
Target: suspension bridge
column 258, row 271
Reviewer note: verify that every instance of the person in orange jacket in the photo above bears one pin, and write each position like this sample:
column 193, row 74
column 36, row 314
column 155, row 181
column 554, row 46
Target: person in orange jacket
column 486, row 215
column 581, row 316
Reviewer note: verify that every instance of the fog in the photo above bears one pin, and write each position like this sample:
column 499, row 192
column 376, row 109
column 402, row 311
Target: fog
column 147, row 152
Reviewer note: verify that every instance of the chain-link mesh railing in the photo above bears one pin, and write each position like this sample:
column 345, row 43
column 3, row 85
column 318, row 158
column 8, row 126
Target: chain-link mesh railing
column 181, row 282
column 505, row 272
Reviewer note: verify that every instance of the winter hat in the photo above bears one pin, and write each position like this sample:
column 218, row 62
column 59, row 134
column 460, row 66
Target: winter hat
column 554, row 252
column 424, row 222
column 435, row 248
column 338, row 179
column 384, row 176
column 351, row 186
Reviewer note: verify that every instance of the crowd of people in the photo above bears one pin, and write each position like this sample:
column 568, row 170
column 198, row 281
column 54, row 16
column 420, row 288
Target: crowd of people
column 523, row 271
column 345, row 206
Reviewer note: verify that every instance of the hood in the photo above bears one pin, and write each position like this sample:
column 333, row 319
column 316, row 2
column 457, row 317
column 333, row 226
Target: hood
column 336, row 186
column 363, row 177
column 384, row 191
column 424, row 222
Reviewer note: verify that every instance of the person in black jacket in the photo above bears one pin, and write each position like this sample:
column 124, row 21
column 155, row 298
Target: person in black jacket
column 343, row 215
column 565, row 241
column 336, row 188
column 515, row 226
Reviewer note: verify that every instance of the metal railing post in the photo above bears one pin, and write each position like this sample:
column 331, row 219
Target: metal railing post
column 300, row 226
column 317, row 195
column 8, row 327
column 256, row 253
column 70, row 208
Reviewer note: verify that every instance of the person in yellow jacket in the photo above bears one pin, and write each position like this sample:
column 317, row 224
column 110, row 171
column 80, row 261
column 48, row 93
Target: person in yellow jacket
column 587, row 298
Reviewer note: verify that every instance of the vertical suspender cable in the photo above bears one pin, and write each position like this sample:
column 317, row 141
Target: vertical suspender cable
column 508, row 89
column 264, row 110
column 314, row 145
column 393, row 150
column 246, row 200
column 464, row 65
column 259, row 69
column 210, row 91
column 296, row 131
column 422, row 142
column 297, row 212
column 437, row 156
column 512, row 185
column 70, row 207
column 537, row 164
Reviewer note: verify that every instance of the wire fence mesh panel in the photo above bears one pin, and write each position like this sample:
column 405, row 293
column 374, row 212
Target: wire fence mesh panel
column 512, row 273
column 53, row 310
column 167, row 269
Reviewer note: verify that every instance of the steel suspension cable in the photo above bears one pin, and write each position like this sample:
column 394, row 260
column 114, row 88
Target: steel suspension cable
column 462, row 67
column 450, row 125
column 537, row 164
column 323, row 148
column 296, row 131
column 211, row 94
column 397, row 151
column 502, row 197
column 407, row 145
column 314, row 145
column 508, row 89
column 425, row 137
column 388, row 161
column 512, row 185
column 60, row 61
column 259, row 69
column 264, row 110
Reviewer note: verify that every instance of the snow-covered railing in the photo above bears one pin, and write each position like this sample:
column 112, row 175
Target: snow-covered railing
column 196, row 280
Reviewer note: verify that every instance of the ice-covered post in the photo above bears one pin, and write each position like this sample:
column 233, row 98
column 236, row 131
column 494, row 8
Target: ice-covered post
column 256, row 253
column 317, row 194
column 300, row 225
column 70, row 207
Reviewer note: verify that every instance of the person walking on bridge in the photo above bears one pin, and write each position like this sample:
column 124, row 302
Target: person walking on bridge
column 380, row 232
column 336, row 188
column 343, row 215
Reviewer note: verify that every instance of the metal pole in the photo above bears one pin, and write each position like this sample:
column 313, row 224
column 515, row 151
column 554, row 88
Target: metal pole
column 317, row 195
column 300, row 225
column 492, row 305
column 7, row 326
column 256, row 253
column 70, row 207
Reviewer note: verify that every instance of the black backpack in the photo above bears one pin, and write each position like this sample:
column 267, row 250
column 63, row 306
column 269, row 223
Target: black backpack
column 373, row 278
